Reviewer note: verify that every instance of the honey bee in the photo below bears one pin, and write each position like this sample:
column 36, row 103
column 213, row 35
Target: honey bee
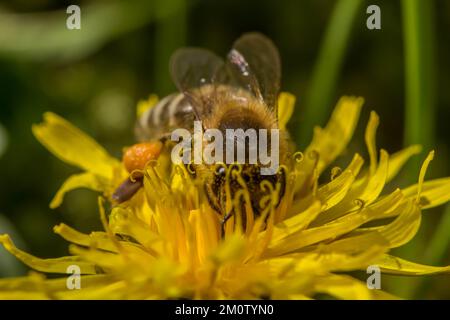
column 238, row 93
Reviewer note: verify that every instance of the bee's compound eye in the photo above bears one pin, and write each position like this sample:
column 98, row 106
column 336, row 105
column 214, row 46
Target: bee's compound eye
column 220, row 171
column 137, row 156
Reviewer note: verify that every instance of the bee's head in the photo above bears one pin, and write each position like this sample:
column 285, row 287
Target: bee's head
column 226, row 181
column 250, row 138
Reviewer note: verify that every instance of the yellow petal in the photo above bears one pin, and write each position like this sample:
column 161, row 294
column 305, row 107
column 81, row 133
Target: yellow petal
column 229, row 250
column 92, row 287
column 99, row 240
column 205, row 233
column 57, row 265
column 286, row 103
column 36, row 286
column 370, row 138
column 287, row 287
column 326, row 258
column 29, row 283
column 332, row 193
column 331, row 141
column 404, row 227
column 304, row 238
column 126, row 249
column 427, row 197
column 112, row 291
column 106, row 260
column 24, row 295
column 398, row 232
column 397, row 197
column 33, row 284
column 296, row 223
column 393, row 265
column 298, row 297
column 377, row 181
column 398, row 159
column 81, row 180
column 434, row 192
column 423, row 171
column 351, row 245
column 363, row 192
column 301, row 239
column 124, row 222
column 343, row 287
column 73, row 146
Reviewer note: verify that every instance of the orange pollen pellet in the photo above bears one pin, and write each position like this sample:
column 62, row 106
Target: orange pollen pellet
column 137, row 156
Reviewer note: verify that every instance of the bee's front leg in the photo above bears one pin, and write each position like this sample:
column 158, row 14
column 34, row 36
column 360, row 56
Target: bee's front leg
column 223, row 221
column 136, row 158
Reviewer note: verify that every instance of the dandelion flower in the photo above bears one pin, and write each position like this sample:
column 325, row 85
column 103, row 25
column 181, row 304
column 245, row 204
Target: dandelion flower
column 166, row 241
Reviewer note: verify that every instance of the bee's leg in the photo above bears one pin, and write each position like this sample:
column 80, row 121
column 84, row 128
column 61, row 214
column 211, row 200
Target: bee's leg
column 136, row 158
column 127, row 189
column 223, row 221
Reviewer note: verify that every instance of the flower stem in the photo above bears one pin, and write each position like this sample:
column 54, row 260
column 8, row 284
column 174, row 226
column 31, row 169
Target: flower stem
column 328, row 66
column 419, row 76
column 418, row 23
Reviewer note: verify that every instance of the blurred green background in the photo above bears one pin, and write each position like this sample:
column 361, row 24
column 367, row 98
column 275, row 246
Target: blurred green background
column 95, row 76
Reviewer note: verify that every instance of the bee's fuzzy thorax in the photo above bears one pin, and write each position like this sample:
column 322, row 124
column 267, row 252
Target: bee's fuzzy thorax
column 244, row 112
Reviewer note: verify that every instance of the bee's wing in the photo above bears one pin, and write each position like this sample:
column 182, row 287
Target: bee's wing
column 255, row 62
column 191, row 69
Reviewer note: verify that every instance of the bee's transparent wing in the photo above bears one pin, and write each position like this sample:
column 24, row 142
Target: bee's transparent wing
column 255, row 63
column 191, row 69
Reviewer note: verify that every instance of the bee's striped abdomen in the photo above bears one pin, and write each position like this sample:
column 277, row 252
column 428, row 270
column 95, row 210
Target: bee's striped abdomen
column 172, row 112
